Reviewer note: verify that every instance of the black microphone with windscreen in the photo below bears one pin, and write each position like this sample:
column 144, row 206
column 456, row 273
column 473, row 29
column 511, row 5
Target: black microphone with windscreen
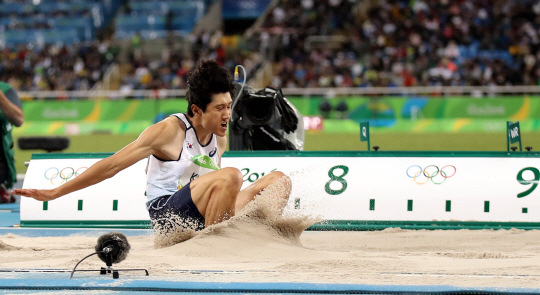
column 110, row 248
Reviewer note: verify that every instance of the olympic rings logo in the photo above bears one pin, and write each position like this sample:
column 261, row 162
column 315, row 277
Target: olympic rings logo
column 57, row 176
column 430, row 172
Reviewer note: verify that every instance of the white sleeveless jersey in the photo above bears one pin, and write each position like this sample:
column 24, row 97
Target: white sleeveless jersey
column 165, row 177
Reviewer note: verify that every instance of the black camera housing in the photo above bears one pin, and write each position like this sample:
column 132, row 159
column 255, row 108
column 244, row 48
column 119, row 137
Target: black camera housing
column 256, row 120
column 257, row 109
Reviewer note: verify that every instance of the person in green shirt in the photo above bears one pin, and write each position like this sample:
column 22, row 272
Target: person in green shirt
column 11, row 114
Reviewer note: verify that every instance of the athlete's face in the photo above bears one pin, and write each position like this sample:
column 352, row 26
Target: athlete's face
column 218, row 113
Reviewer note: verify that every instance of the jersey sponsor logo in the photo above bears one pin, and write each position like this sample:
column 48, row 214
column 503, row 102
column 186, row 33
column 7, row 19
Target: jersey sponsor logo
column 193, row 177
column 201, row 164
column 189, row 145
column 212, row 152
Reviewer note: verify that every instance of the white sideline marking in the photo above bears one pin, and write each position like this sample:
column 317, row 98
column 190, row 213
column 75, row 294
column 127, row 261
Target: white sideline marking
column 405, row 274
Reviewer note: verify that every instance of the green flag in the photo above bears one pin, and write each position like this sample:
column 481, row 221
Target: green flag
column 513, row 134
column 364, row 133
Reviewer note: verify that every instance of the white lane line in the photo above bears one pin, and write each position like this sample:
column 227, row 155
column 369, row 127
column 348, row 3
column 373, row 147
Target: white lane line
column 404, row 274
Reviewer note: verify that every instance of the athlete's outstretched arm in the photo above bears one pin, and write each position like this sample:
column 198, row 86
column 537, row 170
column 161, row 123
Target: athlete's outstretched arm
column 150, row 141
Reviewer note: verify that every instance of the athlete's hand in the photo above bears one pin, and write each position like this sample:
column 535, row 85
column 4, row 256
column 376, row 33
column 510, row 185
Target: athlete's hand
column 38, row 194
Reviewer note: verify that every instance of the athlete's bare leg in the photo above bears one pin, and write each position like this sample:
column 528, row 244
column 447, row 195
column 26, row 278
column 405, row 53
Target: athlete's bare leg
column 218, row 197
column 215, row 194
column 248, row 194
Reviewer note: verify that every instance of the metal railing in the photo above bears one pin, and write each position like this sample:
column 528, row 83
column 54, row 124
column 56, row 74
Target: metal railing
column 433, row 91
column 477, row 91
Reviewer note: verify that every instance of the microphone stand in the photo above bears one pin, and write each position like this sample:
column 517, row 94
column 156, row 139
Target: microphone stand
column 108, row 269
column 110, row 251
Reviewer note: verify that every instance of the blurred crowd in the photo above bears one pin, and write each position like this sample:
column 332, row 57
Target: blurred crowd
column 321, row 43
column 36, row 19
column 76, row 67
column 170, row 71
column 405, row 43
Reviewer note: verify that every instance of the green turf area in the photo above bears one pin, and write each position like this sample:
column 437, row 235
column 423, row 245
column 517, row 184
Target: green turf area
column 417, row 141
column 325, row 142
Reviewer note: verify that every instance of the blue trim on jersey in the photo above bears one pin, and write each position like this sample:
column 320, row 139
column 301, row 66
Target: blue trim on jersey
column 162, row 160
column 211, row 138
column 190, row 125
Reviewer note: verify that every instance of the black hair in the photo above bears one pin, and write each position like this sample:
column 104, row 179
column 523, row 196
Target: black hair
column 207, row 79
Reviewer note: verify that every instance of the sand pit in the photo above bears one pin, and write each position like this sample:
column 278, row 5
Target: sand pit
column 505, row 258
column 260, row 245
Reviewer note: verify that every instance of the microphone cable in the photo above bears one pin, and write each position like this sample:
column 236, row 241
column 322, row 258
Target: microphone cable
column 241, row 88
column 73, row 271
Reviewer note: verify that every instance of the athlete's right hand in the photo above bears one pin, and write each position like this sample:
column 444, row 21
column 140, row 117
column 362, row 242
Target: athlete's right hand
column 38, row 194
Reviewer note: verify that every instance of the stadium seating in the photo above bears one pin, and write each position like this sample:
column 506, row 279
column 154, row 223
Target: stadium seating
column 65, row 36
column 62, row 37
column 153, row 19
column 405, row 43
column 53, row 21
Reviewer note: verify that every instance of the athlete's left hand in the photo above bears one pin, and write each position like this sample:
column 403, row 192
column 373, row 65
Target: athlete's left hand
column 38, row 194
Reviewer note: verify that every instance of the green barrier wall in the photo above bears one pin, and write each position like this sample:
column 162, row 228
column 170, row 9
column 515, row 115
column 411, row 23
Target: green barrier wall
column 386, row 114
column 516, row 107
column 90, row 111
column 95, row 116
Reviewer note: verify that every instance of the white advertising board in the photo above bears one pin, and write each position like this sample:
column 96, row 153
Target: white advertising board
column 395, row 188
column 336, row 188
column 126, row 188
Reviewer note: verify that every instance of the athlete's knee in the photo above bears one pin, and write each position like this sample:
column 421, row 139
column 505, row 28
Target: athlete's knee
column 274, row 176
column 232, row 176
